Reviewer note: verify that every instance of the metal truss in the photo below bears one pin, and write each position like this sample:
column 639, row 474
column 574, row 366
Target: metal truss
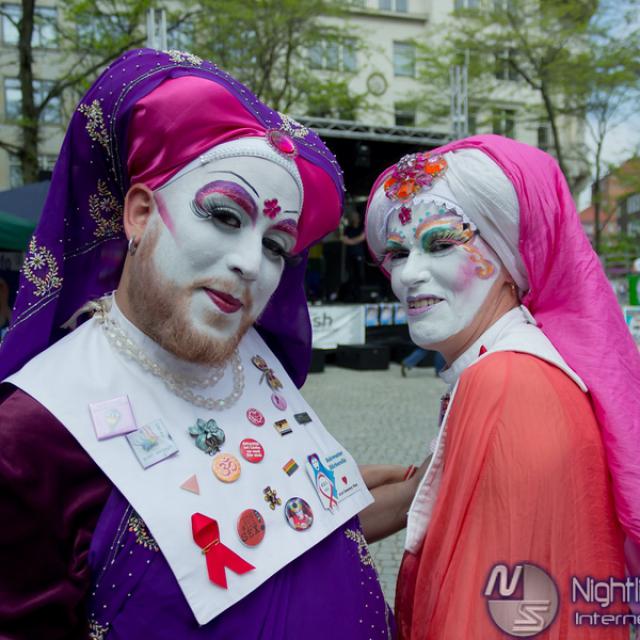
column 333, row 128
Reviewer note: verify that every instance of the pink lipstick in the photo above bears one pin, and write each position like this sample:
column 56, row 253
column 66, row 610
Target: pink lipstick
column 224, row 301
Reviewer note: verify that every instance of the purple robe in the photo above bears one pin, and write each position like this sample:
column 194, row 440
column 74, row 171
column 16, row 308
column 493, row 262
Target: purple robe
column 73, row 553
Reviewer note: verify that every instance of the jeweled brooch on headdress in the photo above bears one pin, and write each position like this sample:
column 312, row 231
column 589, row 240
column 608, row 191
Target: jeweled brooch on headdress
column 412, row 173
column 283, row 138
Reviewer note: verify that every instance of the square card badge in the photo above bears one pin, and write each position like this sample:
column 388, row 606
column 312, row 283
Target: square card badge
column 152, row 443
column 112, row 417
column 333, row 478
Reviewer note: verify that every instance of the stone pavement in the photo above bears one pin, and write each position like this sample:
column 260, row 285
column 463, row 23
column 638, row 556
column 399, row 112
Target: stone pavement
column 382, row 418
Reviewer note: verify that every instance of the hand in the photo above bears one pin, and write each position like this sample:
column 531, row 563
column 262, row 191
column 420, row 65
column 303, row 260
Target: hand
column 377, row 475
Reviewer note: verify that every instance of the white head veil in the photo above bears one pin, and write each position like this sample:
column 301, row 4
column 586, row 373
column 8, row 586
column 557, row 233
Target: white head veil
column 476, row 186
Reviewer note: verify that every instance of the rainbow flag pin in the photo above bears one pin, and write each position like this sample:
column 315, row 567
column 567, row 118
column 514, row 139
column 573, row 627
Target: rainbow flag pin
column 291, row 467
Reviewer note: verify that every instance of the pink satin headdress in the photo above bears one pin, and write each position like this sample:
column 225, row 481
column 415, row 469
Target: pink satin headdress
column 185, row 117
column 574, row 305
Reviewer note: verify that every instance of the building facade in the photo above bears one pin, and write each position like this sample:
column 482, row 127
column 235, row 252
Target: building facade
column 619, row 202
column 386, row 70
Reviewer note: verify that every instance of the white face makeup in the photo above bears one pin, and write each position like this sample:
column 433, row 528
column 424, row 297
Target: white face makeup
column 441, row 271
column 223, row 230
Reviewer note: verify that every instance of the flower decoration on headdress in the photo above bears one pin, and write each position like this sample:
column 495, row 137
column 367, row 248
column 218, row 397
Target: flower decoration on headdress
column 413, row 173
column 405, row 215
column 271, row 208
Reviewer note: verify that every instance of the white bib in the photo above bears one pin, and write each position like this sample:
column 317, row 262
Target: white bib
column 84, row 368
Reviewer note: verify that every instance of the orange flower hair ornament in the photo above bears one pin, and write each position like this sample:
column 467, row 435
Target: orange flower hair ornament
column 413, row 173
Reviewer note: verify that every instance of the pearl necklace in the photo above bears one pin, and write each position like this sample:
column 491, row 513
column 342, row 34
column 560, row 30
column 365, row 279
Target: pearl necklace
column 178, row 385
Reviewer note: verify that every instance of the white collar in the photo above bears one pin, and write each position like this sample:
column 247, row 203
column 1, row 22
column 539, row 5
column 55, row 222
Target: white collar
column 516, row 330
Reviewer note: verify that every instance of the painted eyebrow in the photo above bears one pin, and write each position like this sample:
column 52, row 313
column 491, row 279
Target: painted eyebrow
column 231, row 190
column 432, row 221
column 395, row 238
column 236, row 175
column 287, row 226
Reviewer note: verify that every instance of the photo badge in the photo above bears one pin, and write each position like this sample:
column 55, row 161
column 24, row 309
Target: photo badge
column 298, row 514
column 152, row 443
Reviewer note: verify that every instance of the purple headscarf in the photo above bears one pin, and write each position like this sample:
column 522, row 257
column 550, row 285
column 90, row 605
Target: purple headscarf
column 77, row 251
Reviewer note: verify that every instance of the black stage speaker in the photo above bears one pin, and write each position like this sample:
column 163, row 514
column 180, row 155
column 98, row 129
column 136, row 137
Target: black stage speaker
column 317, row 361
column 365, row 357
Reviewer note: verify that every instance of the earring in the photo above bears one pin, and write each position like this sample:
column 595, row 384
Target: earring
column 514, row 291
column 132, row 247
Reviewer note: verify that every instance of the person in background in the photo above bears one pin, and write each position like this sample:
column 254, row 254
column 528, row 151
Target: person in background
column 353, row 238
column 416, row 357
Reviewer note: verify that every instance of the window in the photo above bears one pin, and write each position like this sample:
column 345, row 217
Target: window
column 10, row 17
column 405, row 115
column 459, row 5
column 504, row 6
column 333, row 56
column 633, row 204
column 15, row 171
column 12, row 98
column 349, row 60
column 45, row 163
column 404, row 59
column 504, row 122
column 93, row 27
column 504, row 69
column 544, row 136
column 44, row 25
column 51, row 114
column 181, row 37
column 399, row 6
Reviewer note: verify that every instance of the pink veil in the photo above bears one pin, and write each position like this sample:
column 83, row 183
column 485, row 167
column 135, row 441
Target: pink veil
column 575, row 307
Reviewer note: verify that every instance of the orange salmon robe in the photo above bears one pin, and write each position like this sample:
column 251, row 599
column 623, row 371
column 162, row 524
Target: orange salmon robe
column 524, row 480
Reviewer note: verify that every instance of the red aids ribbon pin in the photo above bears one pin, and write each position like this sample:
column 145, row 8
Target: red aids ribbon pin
column 206, row 535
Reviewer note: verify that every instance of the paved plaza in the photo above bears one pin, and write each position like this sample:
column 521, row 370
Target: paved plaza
column 380, row 417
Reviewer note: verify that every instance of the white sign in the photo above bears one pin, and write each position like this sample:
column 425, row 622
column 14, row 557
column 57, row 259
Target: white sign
column 337, row 324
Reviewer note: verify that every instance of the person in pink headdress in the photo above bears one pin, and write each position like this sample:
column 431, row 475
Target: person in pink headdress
column 535, row 469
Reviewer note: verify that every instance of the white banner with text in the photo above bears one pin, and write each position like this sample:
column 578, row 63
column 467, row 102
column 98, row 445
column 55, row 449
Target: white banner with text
column 337, row 324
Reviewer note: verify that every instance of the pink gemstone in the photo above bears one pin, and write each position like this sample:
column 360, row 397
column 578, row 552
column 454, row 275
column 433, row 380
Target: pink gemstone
column 282, row 143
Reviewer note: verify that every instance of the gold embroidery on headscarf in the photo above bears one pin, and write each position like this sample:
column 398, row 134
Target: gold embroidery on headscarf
column 363, row 547
column 138, row 527
column 106, row 211
column 38, row 259
column 97, row 631
column 95, row 123
column 184, row 56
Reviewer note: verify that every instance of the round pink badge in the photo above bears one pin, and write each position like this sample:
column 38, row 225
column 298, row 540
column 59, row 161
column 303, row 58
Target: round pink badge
column 255, row 417
column 278, row 401
column 251, row 450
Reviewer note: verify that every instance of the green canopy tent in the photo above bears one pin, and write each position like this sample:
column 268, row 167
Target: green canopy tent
column 14, row 232
column 20, row 211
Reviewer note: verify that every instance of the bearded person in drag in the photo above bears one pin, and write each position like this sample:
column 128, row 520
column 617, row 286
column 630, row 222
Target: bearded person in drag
column 153, row 441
